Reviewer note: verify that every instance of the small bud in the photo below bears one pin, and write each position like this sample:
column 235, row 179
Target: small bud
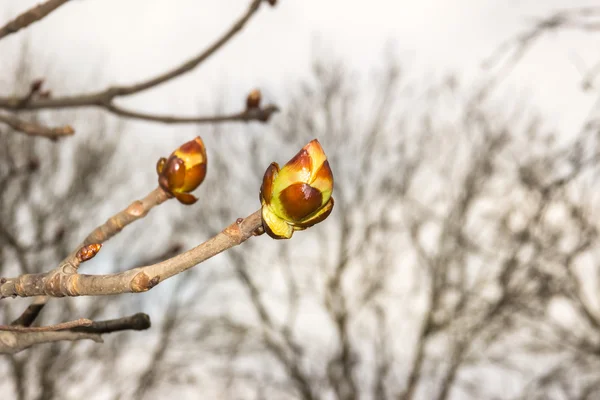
column 88, row 252
column 65, row 130
column 253, row 99
column 272, row 2
column 298, row 195
column 183, row 171
column 36, row 85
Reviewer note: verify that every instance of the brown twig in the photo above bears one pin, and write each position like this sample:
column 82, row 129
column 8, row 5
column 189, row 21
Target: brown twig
column 136, row 210
column 136, row 322
column 65, row 281
column 30, row 16
column 105, row 98
column 49, row 328
column 14, row 342
column 262, row 114
column 31, row 312
column 33, row 129
column 15, row 339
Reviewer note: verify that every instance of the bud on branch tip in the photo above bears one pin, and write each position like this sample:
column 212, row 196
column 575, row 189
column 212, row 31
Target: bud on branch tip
column 253, row 99
column 298, row 195
column 183, row 171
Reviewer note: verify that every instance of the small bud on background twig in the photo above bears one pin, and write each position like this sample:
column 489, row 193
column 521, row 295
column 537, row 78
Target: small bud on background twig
column 36, row 85
column 253, row 99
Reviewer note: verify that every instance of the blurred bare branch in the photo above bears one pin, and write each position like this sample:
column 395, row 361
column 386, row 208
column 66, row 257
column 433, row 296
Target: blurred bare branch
column 106, row 98
column 33, row 129
column 30, row 16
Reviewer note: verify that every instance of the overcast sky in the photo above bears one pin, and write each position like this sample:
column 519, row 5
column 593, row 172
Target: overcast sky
column 100, row 42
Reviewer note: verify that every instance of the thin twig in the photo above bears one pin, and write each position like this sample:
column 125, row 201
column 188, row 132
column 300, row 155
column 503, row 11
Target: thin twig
column 14, row 342
column 105, row 97
column 49, row 328
column 31, row 312
column 67, row 282
column 30, row 16
column 136, row 210
column 262, row 114
column 136, row 322
column 33, row 129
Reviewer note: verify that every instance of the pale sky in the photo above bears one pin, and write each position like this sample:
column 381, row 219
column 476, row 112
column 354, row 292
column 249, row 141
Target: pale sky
column 101, row 42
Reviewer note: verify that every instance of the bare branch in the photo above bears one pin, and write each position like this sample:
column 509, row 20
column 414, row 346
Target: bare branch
column 105, row 98
column 136, row 210
column 14, row 339
column 33, row 129
column 50, row 328
column 31, row 312
column 262, row 114
column 14, row 342
column 65, row 281
column 136, row 322
column 30, row 16
column 194, row 62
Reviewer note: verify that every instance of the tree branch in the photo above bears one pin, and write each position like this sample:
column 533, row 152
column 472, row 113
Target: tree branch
column 30, row 16
column 12, row 342
column 105, row 97
column 33, row 129
column 136, row 322
column 136, row 210
column 65, row 281
column 49, row 328
column 31, row 312
column 259, row 114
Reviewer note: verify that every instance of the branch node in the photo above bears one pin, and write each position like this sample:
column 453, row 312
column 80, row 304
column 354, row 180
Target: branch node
column 142, row 282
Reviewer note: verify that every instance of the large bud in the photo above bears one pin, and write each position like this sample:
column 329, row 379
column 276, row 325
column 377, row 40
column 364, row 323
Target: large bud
column 298, row 195
column 183, row 171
